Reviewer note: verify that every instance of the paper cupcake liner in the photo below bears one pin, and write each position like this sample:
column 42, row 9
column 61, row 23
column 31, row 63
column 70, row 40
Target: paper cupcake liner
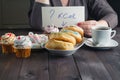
column 22, row 53
column 7, row 48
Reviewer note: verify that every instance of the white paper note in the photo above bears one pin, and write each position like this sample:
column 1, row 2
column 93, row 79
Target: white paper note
column 62, row 16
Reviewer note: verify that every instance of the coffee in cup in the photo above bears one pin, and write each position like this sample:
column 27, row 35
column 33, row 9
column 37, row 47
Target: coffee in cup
column 102, row 35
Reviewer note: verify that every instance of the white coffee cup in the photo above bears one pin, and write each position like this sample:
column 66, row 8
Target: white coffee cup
column 102, row 35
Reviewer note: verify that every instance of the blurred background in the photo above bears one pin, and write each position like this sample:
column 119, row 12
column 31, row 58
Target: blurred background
column 13, row 13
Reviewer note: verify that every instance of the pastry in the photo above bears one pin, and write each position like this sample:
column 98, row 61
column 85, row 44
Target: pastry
column 75, row 34
column 59, row 45
column 75, row 28
column 63, row 37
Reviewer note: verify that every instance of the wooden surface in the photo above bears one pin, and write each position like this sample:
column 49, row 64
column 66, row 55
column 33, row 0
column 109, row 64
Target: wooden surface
column 85, row 64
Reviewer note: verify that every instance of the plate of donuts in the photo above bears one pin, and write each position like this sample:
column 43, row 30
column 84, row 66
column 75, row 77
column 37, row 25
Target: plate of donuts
column 58, row 52
column 66, row 42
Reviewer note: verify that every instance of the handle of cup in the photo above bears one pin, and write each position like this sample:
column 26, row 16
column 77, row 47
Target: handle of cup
column 113, row 33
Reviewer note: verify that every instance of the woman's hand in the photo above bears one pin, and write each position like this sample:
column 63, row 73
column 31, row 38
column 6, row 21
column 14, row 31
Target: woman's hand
column 87, row 25
column 43, row 1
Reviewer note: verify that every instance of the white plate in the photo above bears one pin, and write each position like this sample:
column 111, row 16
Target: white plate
column 36, row 46
column 64, row 52
column 89, row 43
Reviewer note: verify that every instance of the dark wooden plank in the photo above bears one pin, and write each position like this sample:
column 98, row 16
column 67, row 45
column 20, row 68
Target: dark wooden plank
column 111, row 60
column 35, row 67
column 117, row 38
column 3, row 62
column 112, row 63
column 9, row 67
column 63, row 68
column 90, row 66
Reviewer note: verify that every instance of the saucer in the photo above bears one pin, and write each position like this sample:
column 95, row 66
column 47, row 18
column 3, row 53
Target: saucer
column 89, row 42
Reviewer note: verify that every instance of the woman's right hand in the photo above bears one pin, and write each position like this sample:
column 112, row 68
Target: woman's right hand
column 87, row 25
column 43, row 1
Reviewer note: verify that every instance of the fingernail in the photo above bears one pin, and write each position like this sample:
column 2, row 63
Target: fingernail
column 78, row 24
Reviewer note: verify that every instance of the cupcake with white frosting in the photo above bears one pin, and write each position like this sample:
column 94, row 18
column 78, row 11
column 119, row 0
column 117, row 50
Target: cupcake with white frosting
column 51, row 29
column 38, row 40
column 7, row 41
column 22, row 45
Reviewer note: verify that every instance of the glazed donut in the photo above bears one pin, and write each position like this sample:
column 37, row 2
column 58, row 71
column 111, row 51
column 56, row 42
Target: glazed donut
column 75, row 28
column 63, row 37
column 59, row 45
column 75, row 34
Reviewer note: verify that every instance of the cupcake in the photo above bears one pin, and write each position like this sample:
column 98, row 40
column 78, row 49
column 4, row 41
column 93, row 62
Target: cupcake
column 51, row 29
column 7, row 41
column 38, row 40
column 22, row 46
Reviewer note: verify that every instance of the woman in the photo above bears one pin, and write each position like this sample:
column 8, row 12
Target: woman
column 97, row 12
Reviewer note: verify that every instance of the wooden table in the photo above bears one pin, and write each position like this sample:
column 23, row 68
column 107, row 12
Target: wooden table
column 85, row 64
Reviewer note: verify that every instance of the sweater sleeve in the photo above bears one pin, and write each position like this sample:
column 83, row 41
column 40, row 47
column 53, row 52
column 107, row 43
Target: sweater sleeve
column 101, row 10
column 35, row 16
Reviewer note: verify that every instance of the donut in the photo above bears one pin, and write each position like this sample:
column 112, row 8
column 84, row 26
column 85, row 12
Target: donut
column 59, row 45
column 75, row 28
column 75, row 34
column 63, row 37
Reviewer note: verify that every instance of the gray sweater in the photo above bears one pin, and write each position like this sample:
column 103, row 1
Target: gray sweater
column 94, row 9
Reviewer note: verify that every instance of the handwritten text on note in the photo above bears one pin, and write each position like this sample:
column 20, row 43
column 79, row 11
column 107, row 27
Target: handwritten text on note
column 62, row 16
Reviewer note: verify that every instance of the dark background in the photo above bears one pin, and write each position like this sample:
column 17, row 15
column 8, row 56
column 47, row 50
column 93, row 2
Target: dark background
column 13, row 13
column 116, row 6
